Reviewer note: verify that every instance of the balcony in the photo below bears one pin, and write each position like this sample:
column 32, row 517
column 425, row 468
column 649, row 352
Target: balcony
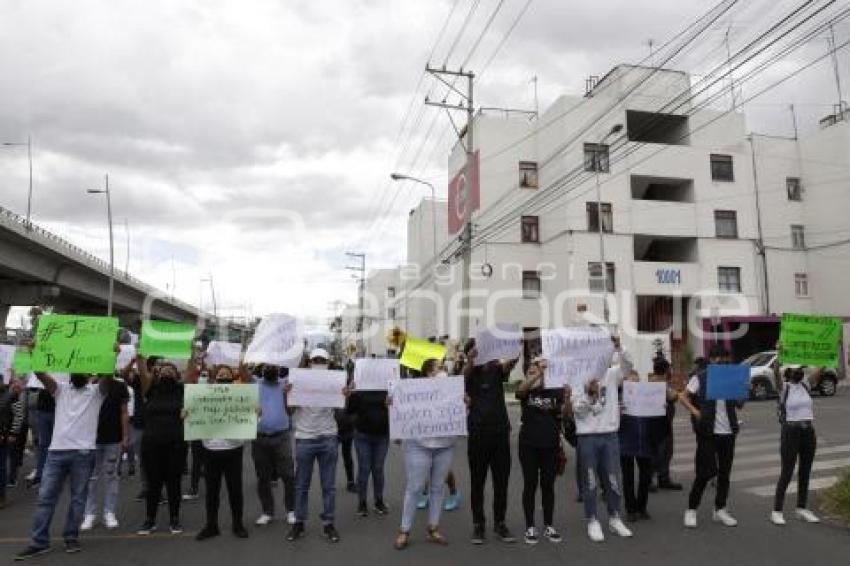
column 662, row 218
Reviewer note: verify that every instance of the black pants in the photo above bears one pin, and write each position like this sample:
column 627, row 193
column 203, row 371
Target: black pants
column 163, row 465
column 196, row 447
column 273, row 458
column 714, row 457
column 796, row 443
column 663, row 456
column 489, row 452
column 538, row 468
column 226, row 464
column 346, row 443
column 636, row 500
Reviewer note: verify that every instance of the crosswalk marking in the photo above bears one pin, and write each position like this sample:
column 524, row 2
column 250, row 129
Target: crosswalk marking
column 764, row 458
column 815, row 484
column 773, row 471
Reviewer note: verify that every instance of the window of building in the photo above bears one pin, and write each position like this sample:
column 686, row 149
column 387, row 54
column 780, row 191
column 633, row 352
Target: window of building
column 528, row 174
column 798, row 237
column 391, row 292
column 726, row 223
column 593, row 217
column 531, row 285
column 530, row 229
column 801, row 284
column 596, row 157
column 729, row 279
column 721, row 168
column 597, row 281
column 794, row 188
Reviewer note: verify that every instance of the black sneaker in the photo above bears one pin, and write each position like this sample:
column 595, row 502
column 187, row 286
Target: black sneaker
column 503, row 533
column 478, row 536
column 209, row 531
column 147, row 528
column 380, row 508
column 239, row 531
column 296, row 532
column 331, row 533
column 31, row 552
column 362, row 509
column 670, row 486
column 643, row 516
column 175, row 527
column 631, row 517
column 72, row 546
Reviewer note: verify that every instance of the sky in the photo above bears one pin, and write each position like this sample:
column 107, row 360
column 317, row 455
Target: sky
column 253, row 141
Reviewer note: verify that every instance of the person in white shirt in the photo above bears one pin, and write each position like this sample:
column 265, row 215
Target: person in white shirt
column 798, row 441
column 597, row 414
column 70, row 457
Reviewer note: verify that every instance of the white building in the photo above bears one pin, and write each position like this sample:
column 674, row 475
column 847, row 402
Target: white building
column 380, row 311
column 683, row 211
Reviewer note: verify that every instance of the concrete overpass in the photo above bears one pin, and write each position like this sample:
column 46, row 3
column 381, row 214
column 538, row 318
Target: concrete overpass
column 40, row 268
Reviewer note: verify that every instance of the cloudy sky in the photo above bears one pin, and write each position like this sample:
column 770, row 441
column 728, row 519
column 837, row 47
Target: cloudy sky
column 253, row 140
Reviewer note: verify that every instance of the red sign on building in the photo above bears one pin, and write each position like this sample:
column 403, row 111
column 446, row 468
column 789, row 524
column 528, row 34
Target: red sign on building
column 464, row 194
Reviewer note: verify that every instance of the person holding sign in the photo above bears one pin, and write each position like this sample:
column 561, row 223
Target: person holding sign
column 315, row 441
column 11, row 420
column 371, row 440
column 540, row 447
column 427, row 461
column 715, row 423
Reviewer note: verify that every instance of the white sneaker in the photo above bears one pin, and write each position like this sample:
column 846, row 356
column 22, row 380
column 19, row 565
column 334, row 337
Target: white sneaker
column 31, row 475
column 110, row 521
column 88, row 523
column 531, row 536
column 806, row 515
column 777, row 518
column 723, row 516
column 594, row 531
column 263, row 520
column 290, row 517
column 691, row 518
column 615, row 524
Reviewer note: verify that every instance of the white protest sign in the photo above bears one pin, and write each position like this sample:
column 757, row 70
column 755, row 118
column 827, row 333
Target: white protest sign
column 277, row 340
column 316, row 388
column 7, row 358
column 125, row 355
column 645, row 399
column 428, row 408
column 574, row 356
column 500, row 342
column 374, row 374
column 223, row 353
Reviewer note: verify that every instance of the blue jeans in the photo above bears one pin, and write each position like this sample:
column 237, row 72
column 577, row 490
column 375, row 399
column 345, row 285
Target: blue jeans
column 600, row 456
column 324, row 451
column 371, row 454
column 44, row 424
column 425, row 467
column 105, row 472
column 76, row 466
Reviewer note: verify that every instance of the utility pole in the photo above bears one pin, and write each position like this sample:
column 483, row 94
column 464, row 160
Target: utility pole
column 466, row 235
column 361, row 269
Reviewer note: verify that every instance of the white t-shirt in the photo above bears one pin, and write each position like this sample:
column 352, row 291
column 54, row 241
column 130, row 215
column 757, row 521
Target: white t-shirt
column 222, row 444
column 77, row 412
column 721, row 417
column 799, row 405
column 314, row 422
column 603, row 414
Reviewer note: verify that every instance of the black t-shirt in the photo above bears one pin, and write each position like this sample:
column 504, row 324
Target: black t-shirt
column 45, row 402
column 109, row 421
column 541, row 417
column 162, row 412
column 138, row 418
column 488, row 413
column 369, row 409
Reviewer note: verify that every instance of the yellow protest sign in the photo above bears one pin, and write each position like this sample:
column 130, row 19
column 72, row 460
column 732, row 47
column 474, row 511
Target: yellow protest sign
column 417, row 350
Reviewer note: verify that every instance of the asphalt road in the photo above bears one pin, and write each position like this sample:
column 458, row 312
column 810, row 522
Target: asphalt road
column 661, row 540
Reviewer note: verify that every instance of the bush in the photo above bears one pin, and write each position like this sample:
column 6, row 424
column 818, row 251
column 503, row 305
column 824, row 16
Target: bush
column 836, row 500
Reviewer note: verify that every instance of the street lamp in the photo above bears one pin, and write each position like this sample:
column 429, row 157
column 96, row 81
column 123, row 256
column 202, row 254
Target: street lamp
column 27, row 143
column 105, row 191
column 401, row 177
column 597, row 162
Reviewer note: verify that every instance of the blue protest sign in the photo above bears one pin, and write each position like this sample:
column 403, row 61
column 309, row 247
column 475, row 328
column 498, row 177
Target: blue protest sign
column 728, row 382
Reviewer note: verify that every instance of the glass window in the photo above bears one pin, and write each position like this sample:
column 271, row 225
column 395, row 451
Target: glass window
column 596, row 157
column 794, row 188
column 596, row 280
column 593, row 217
column 798, row 237
column 391, row 313
column 530, row 285
column 729, row 279
column 530, row 229
column 801, row 284
column 726, row 223
column 528, row 174
column 721, row 168
column 391, row 292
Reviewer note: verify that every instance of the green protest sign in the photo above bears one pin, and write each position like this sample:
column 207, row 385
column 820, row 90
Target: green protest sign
column 69, row 343
column 220, row 411
column 167, row 339
column 22, row 363
column 810, row 340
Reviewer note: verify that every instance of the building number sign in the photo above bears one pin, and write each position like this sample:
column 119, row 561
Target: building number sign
column 668, row 276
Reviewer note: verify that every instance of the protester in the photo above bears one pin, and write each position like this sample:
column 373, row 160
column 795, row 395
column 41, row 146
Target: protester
column 715, row 424
column 113, row 434
column 71, row 456
column 427, row 462
column 597, row 415
column 368, row 410
column 665, row 443
column 162, row 442
column 345, row 436
column 18, row 447
column 315, row 441
column 272, row 450
column 798, row 440
column 489, row 446
column 44, row 416
column 137, row 425
column 540, row 447
column 223, row 458
column 11, row 418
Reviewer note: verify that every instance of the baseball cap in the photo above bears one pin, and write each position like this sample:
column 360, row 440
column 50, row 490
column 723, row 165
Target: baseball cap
column 319, row 353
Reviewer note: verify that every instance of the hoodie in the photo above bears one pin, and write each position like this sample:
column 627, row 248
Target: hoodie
column 600, row 415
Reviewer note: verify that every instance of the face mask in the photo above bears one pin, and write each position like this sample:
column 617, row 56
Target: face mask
column 270, row 374
column 79, row 380
column 441, row 374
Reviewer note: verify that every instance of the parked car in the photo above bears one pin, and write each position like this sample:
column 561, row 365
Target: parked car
column 761, row 377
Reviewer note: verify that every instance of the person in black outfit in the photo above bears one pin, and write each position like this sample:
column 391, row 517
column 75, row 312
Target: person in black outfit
column 489, row 444
column 345, row 436
column 369, row 412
